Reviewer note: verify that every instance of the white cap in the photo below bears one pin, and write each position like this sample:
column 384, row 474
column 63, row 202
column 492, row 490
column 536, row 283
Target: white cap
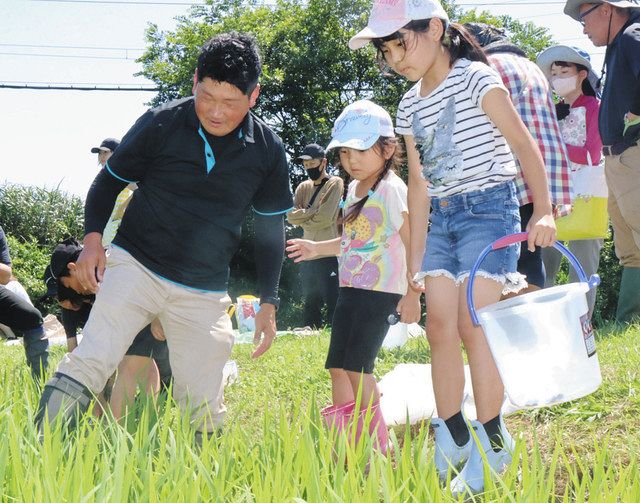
column 388, row 16
column 360, row 125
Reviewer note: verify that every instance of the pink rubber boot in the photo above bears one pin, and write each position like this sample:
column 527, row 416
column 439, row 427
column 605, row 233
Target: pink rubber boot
column 337, row 416
column 377, row 427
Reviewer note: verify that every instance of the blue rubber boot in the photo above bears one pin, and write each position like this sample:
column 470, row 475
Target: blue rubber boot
column 470, row 480
column 448, row 454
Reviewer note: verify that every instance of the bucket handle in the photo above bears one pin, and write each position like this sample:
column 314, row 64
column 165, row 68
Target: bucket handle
column 512, row 239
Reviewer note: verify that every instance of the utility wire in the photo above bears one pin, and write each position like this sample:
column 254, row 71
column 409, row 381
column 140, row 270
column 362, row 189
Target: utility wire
column 76, row 56
column 87, row 47
column 50, row 83
column 73, row 87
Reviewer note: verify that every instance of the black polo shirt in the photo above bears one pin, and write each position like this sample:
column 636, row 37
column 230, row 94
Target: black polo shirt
column 184, row 221
column 621, row 92
column 72, row 321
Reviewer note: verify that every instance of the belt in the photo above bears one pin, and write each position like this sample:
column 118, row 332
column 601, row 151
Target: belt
column 617, row 148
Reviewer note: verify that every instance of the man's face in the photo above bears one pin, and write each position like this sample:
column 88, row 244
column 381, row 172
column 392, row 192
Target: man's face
column 73, row 302
column 103, row 157
column 221, row 106
column 314, row 163
column 72, row 281
column 595, row 21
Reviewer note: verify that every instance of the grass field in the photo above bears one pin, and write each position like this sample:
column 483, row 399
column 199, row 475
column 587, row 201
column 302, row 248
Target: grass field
column 274, row 449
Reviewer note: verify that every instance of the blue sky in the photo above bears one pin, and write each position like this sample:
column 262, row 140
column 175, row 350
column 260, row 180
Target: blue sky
column 46, row 136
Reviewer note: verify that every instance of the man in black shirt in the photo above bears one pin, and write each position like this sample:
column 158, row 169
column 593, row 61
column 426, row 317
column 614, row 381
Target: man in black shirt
column 616, row 25
column 201, row 164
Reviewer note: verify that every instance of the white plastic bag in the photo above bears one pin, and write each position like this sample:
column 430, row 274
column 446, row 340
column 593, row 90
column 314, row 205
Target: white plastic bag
column 408, row 391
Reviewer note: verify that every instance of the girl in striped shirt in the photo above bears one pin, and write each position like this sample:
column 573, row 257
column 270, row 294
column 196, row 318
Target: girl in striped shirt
column 460, row 130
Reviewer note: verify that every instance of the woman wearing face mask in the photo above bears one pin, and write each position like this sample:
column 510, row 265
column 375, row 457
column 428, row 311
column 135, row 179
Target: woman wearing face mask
column 574, row 81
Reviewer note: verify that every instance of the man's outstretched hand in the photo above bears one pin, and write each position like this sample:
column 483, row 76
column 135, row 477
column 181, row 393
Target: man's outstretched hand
column 265, row 329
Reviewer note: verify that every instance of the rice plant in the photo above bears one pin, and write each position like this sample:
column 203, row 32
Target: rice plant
column 274, row 446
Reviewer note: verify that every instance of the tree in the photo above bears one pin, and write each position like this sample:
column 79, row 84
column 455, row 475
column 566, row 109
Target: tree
column 310, row 74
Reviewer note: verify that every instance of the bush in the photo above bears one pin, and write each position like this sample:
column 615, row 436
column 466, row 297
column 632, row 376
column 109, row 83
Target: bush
column 610, row 272
column 41, row 215
column 28, row 262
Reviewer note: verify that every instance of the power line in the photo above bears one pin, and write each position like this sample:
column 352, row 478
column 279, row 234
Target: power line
column 87, row 47
column 76, row 56
column 75, row 87
column 48, row 83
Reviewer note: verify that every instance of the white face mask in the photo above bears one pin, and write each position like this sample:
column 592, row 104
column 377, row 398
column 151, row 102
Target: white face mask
column 564, row 86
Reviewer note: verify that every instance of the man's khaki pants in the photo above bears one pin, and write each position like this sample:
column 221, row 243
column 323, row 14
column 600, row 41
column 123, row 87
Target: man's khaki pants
column 623, row 180
column 196, row 325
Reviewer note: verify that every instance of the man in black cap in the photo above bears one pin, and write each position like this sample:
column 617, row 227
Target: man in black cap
column 615, row 24
column 146, row 362
column 105, row 150
column 316, row 206
column 20, row 316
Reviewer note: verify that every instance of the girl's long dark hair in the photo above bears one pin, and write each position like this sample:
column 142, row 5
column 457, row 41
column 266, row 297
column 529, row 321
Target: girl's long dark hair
column 351, row 213
column 456, row 39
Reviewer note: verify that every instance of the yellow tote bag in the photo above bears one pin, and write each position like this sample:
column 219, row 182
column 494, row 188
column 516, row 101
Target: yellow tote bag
column 589, row 218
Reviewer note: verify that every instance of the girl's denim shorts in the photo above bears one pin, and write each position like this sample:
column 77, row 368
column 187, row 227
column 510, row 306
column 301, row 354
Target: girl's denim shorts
column 461, row 226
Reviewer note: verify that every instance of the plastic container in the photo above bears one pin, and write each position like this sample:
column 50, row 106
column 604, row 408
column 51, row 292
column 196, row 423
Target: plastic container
column 397, row 336
column 542, row 342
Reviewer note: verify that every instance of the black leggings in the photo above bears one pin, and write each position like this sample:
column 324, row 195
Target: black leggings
column 359, row 328
column 22, row 317
column 17, row 313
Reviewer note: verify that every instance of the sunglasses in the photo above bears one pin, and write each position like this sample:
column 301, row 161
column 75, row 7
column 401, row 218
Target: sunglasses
column 586, row 13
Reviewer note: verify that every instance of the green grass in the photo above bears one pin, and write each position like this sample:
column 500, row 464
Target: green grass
column 275, row 449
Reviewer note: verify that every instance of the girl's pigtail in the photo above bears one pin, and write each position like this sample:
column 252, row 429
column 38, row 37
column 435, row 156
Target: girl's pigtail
column 461, row 44
column 355, row 210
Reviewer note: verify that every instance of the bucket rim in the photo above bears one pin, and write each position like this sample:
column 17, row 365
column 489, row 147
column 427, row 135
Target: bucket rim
column 521, row 303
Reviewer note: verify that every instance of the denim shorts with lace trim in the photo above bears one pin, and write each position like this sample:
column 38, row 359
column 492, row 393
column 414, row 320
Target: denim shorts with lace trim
column 461, row 226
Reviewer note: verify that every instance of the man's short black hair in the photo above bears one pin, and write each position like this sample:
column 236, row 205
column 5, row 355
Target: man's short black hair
column 232, row 58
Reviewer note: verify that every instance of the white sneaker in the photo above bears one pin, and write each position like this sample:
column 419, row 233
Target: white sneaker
column 471, row 477
column 448, row 455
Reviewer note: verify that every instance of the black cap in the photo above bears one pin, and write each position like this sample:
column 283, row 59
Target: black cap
column 312, row 151
column 107, row 144
column 65, row 252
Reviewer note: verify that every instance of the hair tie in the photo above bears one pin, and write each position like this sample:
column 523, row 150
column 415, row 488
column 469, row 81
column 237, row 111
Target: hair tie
column 341, row 204
column 370, row 193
